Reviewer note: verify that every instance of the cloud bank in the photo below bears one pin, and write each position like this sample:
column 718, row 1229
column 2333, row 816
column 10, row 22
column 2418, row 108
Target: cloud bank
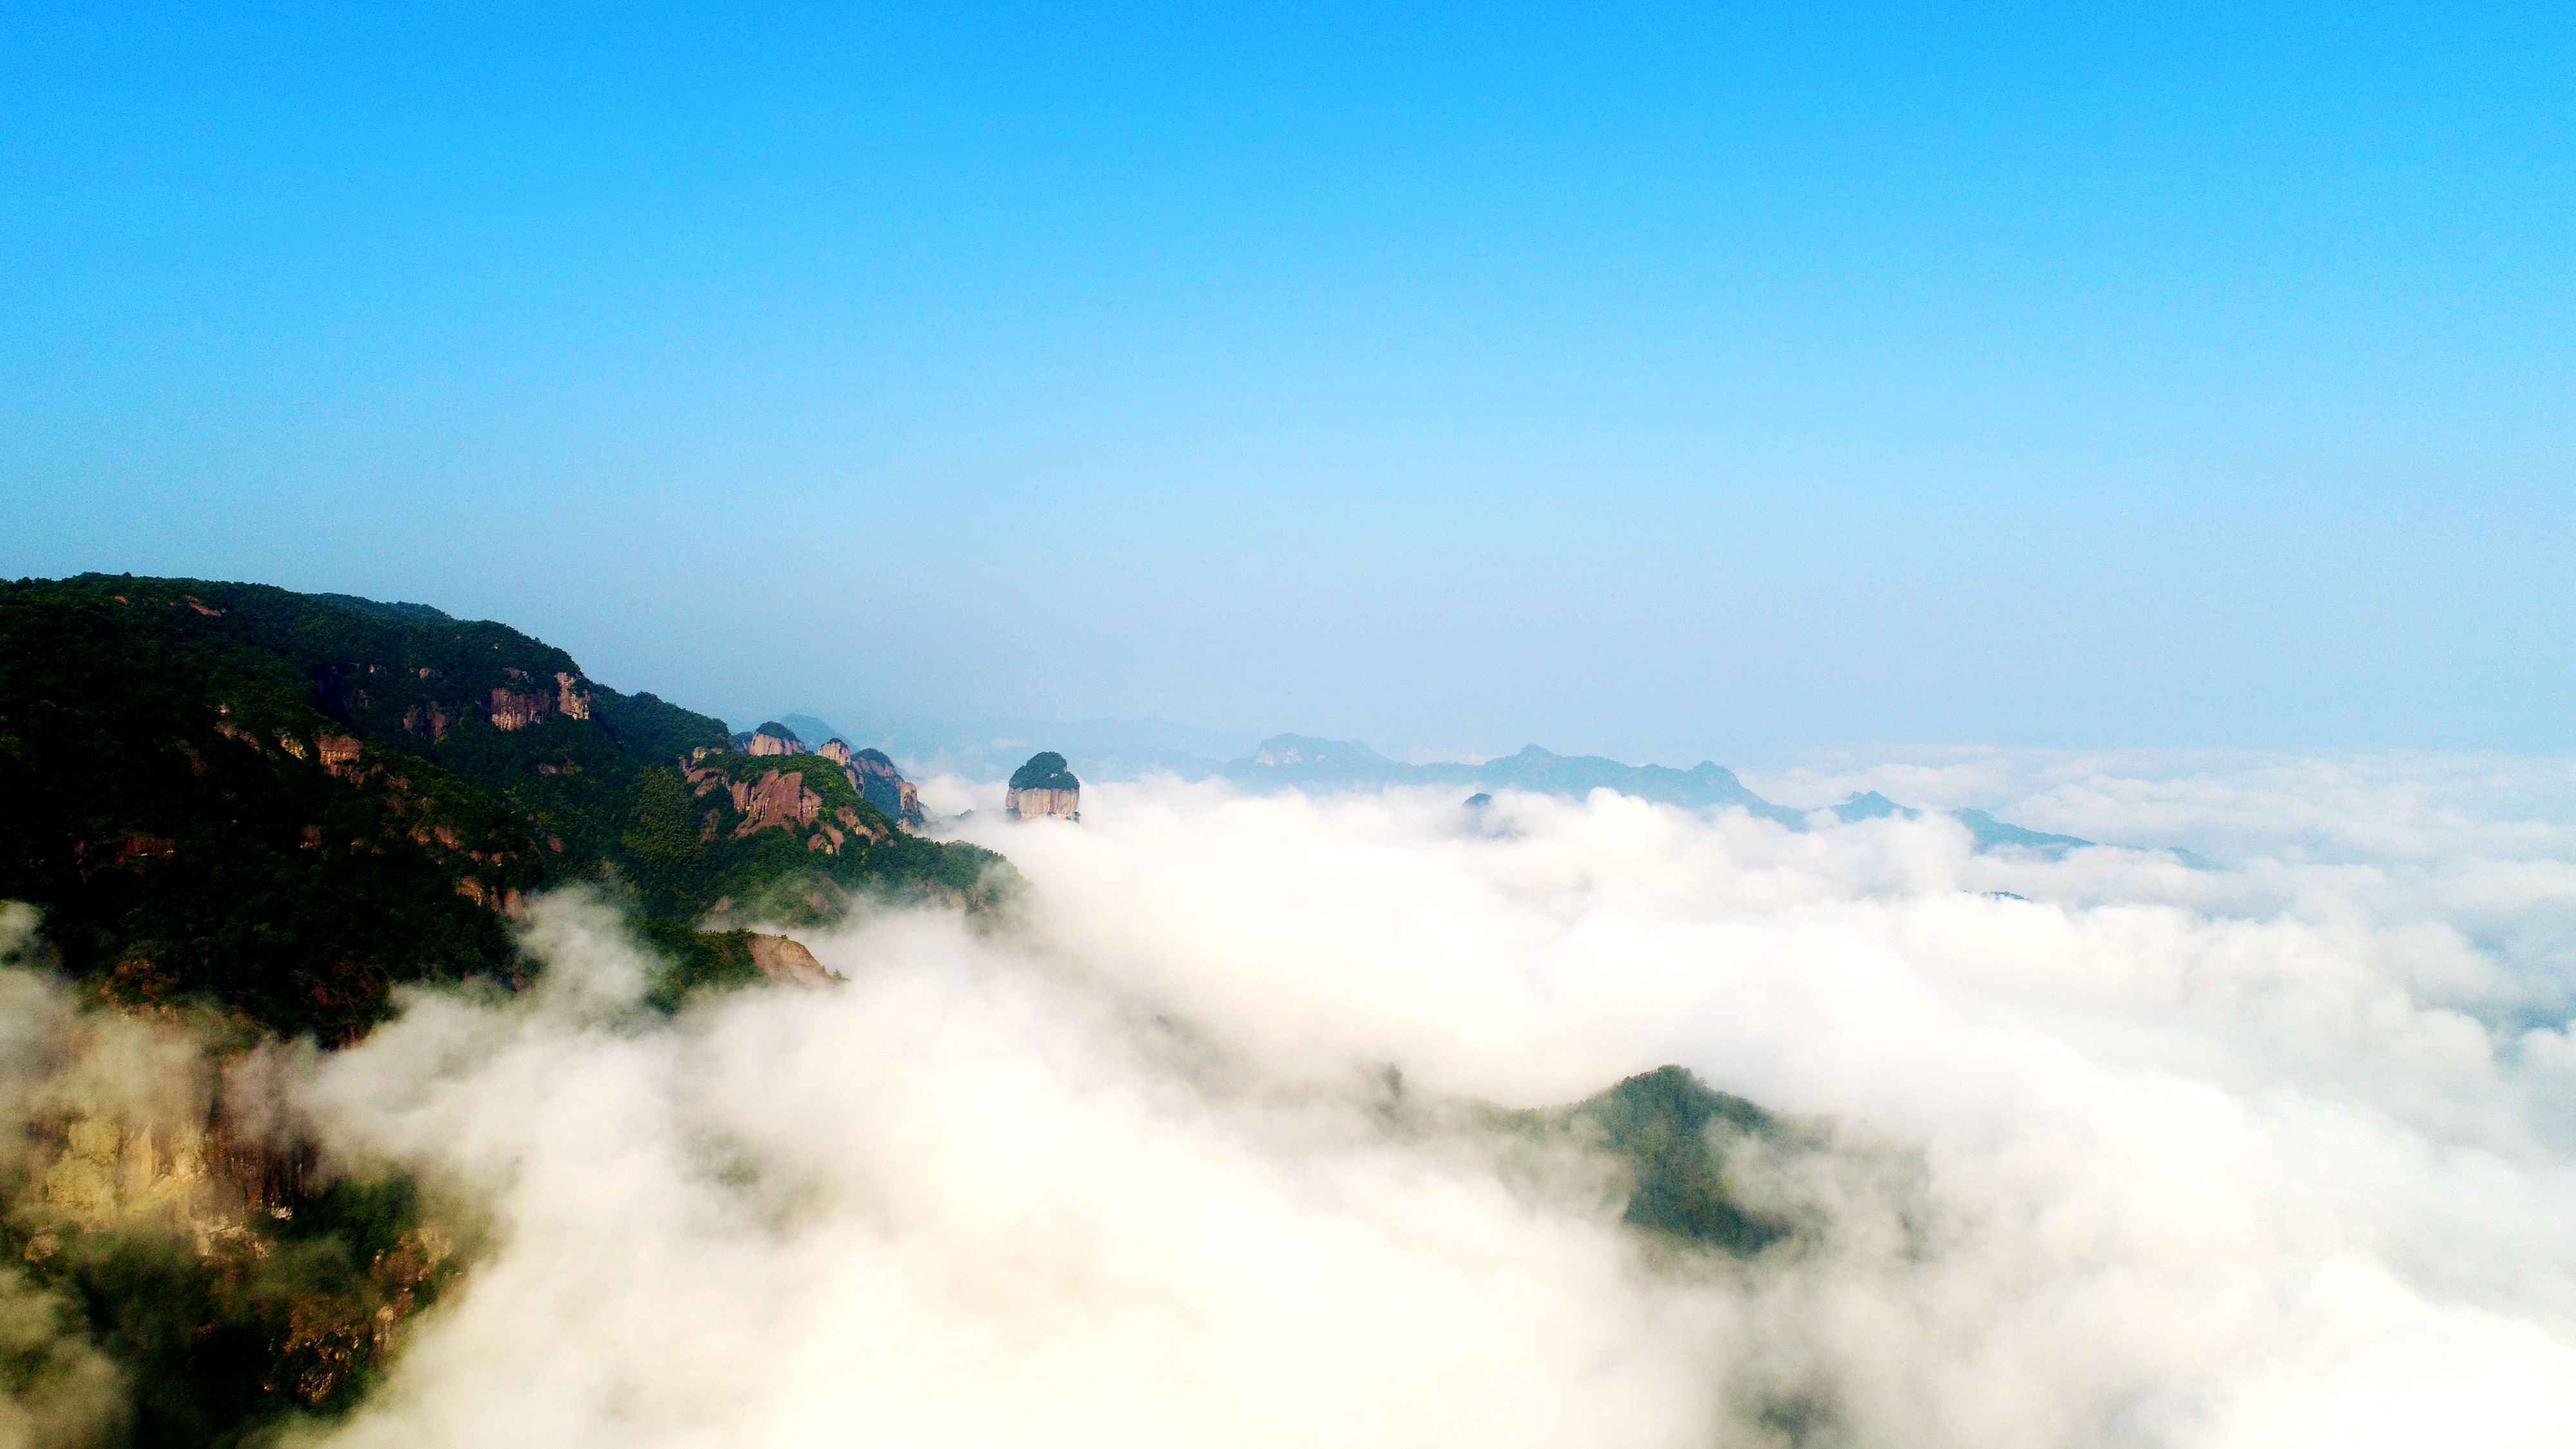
column 2116, row 1151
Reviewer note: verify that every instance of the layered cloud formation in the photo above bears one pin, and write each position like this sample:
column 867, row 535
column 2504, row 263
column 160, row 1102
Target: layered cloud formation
column 2116, row 1149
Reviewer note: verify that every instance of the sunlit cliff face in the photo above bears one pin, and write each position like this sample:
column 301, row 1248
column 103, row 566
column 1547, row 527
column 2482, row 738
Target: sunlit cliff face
column 2120, row 1150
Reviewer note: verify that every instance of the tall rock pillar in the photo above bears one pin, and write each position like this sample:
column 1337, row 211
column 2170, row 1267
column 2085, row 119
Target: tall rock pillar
column 1043, row 787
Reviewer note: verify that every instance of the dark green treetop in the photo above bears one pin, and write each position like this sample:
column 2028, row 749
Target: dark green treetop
column 1044, row 771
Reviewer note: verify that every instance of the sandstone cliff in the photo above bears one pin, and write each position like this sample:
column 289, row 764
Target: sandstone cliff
column 513, row 710
column 784, row 959
column 774, row 800
column 1043, row 787
column 774, row 738
column 883, row 786
column 782, row 800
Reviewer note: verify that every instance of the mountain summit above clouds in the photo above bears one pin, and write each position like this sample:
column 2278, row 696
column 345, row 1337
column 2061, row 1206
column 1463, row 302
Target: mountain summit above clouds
column 1140, row 749
column 288, row 804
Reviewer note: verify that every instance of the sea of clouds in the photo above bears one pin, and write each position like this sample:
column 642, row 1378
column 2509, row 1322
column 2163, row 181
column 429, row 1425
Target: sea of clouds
column 2274, row 1148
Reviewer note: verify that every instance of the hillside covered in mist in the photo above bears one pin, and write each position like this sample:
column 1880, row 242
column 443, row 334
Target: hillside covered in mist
column 243, row 817
column 247, row 827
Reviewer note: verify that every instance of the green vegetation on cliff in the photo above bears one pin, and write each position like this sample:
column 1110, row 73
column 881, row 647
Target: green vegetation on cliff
column 221, row 1343
column 1045, row 770
column 287, row 804
column 243, row 811
column 695, row 847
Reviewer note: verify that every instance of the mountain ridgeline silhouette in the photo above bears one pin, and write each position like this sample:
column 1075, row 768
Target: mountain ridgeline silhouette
column 1306, row 763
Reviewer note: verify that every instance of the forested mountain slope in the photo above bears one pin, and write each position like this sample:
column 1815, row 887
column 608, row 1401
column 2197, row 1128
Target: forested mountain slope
column 287, row 803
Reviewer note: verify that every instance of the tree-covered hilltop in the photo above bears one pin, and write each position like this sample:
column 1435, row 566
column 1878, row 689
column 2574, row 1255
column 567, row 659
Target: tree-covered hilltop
column 288, row 803
column 1669, row 1140
column 1674, row 1130
column 1046, row 770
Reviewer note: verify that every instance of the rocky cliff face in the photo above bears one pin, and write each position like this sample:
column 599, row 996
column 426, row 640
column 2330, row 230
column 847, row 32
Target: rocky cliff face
column 1043, row 787
column 277, row 1283
column 784, row 959
column 774, row 738
column 368, row 694
column 781, row 800
column 516, row 710
column 774, row 800
column 884, row 787
column 1038, row 804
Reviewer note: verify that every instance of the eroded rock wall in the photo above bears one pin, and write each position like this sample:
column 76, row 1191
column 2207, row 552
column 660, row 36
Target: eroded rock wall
column 1043, row 804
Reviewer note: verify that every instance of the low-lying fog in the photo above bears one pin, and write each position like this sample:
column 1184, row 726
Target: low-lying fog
column 2275, row 1151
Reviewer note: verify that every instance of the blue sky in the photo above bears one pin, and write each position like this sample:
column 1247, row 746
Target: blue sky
column 1665, row 382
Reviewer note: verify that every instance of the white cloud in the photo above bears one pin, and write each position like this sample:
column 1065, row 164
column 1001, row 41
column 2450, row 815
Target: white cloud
column 2157, row 1156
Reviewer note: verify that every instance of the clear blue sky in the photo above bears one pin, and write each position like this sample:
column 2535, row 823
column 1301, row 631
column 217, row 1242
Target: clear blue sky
column 1669, row 382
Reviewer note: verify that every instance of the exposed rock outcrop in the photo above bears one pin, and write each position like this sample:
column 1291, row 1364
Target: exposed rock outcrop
column 1043, row 787
column 884, row 786
column 500, row 899
column 512, row 710
column 784, row 959
column 1038, row 804
column 782, row 800
column 835, row 750
column 774, row 738
column 340, row 754
column 775, row 799
column 203, row 1191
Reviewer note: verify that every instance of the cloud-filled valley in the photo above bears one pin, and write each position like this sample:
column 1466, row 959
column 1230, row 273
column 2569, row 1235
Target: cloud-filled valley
column 2098, row 1150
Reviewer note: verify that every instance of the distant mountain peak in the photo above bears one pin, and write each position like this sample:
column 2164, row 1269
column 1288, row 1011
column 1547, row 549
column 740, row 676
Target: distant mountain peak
column 1289, row 751
column 1869, row 805
column 1304, row 762
column 1990, row 832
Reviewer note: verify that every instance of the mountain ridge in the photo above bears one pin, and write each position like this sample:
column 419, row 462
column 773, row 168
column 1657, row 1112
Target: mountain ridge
column 289, row 803
column 1291, row 761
